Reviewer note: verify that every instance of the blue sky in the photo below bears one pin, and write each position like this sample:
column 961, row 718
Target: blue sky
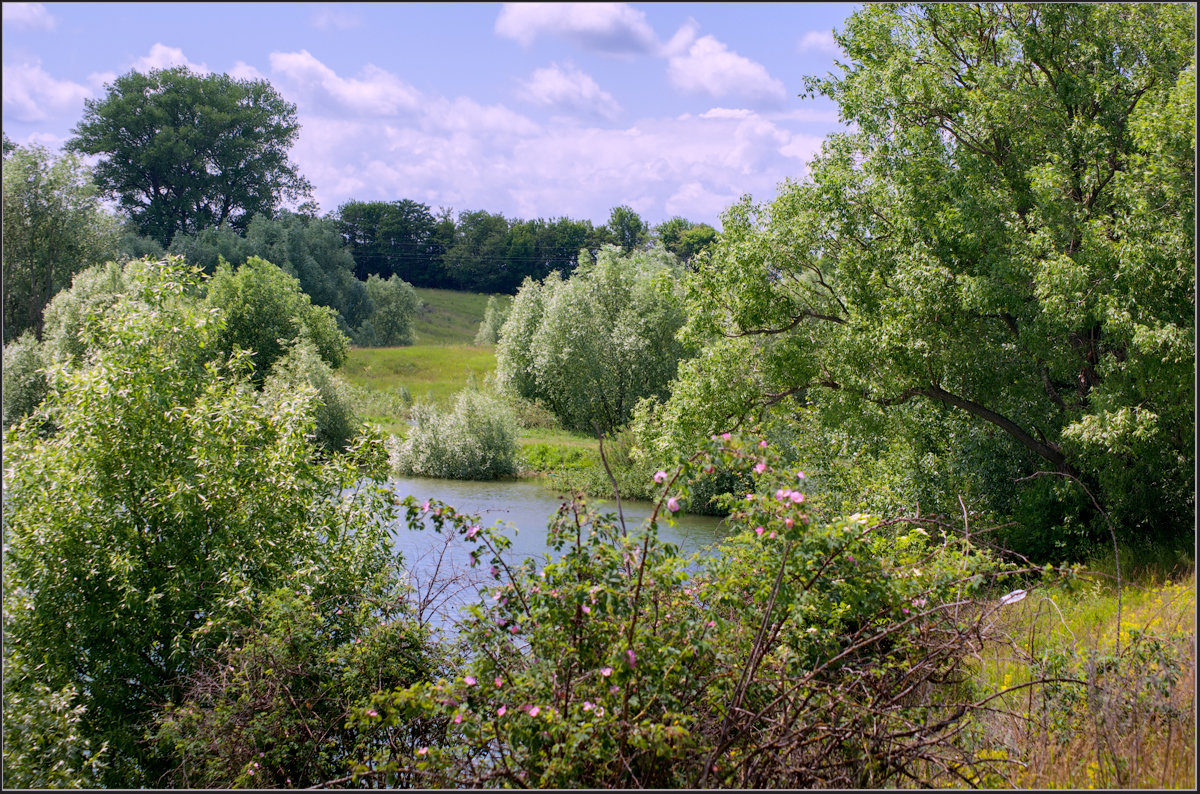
column 531, row 110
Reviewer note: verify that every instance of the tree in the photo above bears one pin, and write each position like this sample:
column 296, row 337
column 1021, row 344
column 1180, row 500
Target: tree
column 476, row 259
column 1007, row 237
column 54, row 227
column 182, row 152
column 684, row 238
column 178, row 501
column 627, row 228
column 265, row 313
column 389, row 238
column 593, row 345
column 395, row 306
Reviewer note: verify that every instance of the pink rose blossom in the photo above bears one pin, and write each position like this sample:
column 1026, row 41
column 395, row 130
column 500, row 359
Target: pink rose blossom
column 498, row 681
column 660, row 476
column 469, row 680
column 726, row 436
column 759, row 530
column 500, row 711
column 763, row 443
column 606, row 671
column 760, row 468
column 533, row 712
column 673, row 504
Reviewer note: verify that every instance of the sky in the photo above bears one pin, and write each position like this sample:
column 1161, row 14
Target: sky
column 533, row 110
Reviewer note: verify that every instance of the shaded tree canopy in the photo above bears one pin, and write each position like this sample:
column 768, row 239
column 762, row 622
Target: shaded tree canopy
column 182, row 152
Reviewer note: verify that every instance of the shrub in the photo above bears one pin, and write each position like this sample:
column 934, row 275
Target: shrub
column 474, row 441
column 24, row 378
column 800, row 655
column 302, row 367
column 391, row 320
column 493, row 318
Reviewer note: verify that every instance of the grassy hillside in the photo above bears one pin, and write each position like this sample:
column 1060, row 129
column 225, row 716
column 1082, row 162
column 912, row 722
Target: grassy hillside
column 449, row 317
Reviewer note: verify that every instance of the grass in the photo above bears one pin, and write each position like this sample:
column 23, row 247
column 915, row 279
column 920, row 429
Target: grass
column 1122, row 714
column 449, row 317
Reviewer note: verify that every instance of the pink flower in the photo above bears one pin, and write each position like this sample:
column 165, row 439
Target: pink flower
column 423, row 751
column 797, row 497
column 586, row 608
column 799, row 475
column 495, row 572
column 726, row 436
column 472, row 532
column 749, row 497
column 763, row 443
column 673, row 504
column 372, row 713
column 772, row 535
column 470, row 680
column 500, row 711
column 760, row 468
column 630, row 657
column 425, row 507
column 788, row 522
column 606, row 671
column 498, row 681
column 513, row 629
column 587, row 705
column 458, row 718
column 614, row 689
column 759, row 530
column 712, row 623
column 533, row 712
column 660, row 476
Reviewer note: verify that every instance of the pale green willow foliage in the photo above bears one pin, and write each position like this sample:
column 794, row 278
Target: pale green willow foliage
column 477, row 440
column 589, row 347
column 24, row 378
column 302, row 367
column 493, row 320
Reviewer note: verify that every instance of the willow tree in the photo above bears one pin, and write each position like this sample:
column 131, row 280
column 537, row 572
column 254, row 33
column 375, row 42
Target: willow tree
column 1004, row 237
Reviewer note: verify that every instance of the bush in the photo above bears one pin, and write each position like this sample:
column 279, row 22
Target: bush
column 390, row 322
column 91, row 293
column 24, row 378
column 474, row 441
column 493, row 318
column 800, row 655
column 302, row 367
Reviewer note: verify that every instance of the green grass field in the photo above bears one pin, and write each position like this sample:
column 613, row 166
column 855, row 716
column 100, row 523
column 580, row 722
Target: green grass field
column 449, row 317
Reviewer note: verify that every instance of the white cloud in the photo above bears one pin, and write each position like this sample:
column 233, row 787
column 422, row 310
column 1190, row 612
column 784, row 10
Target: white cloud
column 820, row 41
column 330, row 17
column 727, row 113
column 569, row 89
column 607, row 27
column 29, row 16
column 244, row 71
column 710, row 67
column 163, row 57
column 31, row 94
column 375, row 92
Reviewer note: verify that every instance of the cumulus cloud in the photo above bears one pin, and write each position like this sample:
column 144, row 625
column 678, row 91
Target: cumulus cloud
column 613, row 28
column 28, row 16
column 31, row 94
column 163, row 57
column 568, row 88
column 375, row 92
column 244, row 71
column 710, row 67
column 819, row 41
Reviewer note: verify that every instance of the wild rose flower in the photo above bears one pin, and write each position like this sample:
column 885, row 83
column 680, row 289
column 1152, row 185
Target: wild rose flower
column 423, row 751
column 797, row 497
column 660, row 476
column 458, row 718
column 498, row 681
column 799, row 475
column 586, row 608
column 587, row 705
column 470, row 680
column 759, row 530
column 726, row 436
column 472, row 532
column 788, row 522
column 760, row 468
column 500, row 711
column 673, row 504
column 372, row 713
column 533, row 712
column 606, row 671
column 763, row 443
column 630, row 657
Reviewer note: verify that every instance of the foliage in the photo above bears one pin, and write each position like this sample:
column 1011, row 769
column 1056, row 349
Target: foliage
column 167, row 498
column 182, row 152
column 394, row 308
column 476, row 258
column 73, row 314
column 800, row 655
column 394, row 238
column 591, row 346
column 476, row 440
column 493, row 318
column 336, row 424
column 684, row 238
column 1008, row 237
column 24, row 377
column 265, row 312
column 628, row 229
column 269, row 709
column 54, row 226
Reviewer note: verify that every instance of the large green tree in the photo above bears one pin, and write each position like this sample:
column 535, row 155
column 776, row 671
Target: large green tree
column 54, row 227
column 589, row 347
column 182, row 152
column 1006, row 238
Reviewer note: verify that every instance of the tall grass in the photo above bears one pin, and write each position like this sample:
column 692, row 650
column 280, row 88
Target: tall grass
column 1116, row 707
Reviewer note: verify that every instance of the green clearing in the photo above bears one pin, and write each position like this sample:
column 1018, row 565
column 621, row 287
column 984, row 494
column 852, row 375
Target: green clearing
column 449, row 317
